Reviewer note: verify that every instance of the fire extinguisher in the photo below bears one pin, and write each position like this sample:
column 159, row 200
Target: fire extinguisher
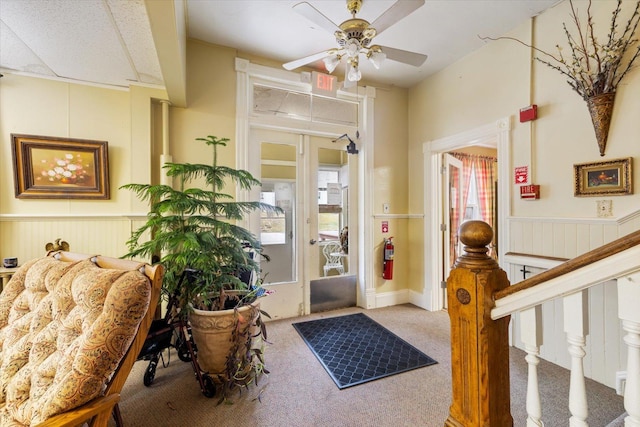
column 387, row 259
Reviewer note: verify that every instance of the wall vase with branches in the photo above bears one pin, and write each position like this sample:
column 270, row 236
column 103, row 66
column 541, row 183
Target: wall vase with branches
column 594, row 69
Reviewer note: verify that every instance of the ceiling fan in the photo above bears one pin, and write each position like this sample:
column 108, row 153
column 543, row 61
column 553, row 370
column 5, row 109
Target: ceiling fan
column 354, row 37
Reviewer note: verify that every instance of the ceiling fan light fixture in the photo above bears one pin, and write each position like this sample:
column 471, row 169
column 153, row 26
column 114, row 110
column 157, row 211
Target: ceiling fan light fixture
column 354, row 74
column 353, row 48
column 331, row 62
column 376, row 56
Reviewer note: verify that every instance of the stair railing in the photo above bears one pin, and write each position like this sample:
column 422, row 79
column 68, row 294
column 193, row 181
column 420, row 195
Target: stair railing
column 481, row 302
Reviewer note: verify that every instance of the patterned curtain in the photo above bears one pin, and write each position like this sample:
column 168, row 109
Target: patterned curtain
column 485, row 177
column 461, row 182
column 485, row 171
column 467, row 167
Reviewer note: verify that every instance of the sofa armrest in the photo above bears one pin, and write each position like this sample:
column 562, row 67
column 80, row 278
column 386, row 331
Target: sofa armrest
column 101, row 408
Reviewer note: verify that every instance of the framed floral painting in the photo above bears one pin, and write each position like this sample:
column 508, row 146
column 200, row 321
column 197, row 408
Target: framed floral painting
column 60, row 168
column 612, row 177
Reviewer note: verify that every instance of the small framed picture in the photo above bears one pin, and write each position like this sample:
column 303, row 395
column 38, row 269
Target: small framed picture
column 60, row 168
column 612, row 177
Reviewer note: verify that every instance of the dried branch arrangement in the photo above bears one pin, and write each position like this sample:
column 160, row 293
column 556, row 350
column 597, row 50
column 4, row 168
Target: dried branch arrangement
column 593, row 68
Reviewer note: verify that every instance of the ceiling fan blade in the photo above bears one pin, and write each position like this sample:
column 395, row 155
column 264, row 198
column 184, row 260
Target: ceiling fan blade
column 404, row 56
column 396, row 12
column 314, row 15
column 306, row 60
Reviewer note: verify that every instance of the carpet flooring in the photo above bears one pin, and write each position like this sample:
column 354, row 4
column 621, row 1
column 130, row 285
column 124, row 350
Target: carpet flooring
column 354, row 349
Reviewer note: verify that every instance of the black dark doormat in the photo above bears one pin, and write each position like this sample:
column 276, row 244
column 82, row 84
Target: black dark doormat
column 355, row 349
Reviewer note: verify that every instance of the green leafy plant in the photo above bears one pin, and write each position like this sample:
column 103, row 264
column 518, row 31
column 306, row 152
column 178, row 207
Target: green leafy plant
column 192, row 227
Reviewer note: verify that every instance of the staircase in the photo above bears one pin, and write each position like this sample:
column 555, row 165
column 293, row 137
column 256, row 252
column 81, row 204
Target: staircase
column 481, row 302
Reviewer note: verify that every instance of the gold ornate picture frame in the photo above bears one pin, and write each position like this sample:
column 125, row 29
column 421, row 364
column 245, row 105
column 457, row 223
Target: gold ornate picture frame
column 612, row 177
column 59, row 168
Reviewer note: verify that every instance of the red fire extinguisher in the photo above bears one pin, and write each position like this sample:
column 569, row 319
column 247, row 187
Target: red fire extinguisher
column 387, row 260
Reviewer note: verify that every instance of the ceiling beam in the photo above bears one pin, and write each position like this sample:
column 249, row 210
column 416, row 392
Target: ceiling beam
column 169, row 31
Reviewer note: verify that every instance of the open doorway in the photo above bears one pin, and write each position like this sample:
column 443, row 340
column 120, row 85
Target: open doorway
column 478, row 184
column 468, row 193
column 440, row 239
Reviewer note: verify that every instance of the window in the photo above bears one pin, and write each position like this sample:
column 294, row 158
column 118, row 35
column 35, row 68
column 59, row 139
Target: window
column 272, row 225
column 472, row 210
column 329, row 204
column 303, row 106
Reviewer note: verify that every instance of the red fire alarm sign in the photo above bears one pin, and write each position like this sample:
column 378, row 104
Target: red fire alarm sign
column 528, row 113
column 530, row 192
column 521, row 175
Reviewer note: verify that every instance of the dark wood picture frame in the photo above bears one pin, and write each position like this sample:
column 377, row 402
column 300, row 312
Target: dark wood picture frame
column 612, row 178
column 59, row 168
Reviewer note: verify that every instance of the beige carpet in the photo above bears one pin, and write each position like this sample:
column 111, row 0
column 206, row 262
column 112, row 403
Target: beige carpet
column 299, row 392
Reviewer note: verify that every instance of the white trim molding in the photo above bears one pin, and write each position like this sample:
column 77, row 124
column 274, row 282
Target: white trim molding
column 496, row 134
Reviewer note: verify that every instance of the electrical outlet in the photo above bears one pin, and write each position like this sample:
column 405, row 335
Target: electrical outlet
column 385, row 208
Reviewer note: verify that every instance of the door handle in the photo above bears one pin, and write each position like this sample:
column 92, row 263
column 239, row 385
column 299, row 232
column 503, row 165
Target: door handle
column 313, row 241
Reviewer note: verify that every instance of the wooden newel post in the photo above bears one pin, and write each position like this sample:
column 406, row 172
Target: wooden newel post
column 479, row 345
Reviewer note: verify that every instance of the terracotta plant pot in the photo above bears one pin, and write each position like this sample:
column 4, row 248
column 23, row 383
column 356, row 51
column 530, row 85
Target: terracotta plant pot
column 601, row 110
column 213, row 332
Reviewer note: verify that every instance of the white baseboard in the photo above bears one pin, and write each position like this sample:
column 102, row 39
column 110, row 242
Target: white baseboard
column 385, row 299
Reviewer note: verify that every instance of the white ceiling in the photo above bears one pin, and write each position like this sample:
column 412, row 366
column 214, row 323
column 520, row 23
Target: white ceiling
column 111, row 42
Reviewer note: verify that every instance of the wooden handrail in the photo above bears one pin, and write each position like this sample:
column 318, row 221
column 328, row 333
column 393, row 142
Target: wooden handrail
column 542, row 257
column 573, row 264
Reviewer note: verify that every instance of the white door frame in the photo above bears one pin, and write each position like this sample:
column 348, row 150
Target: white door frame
column 361, row 226
column 498, row 133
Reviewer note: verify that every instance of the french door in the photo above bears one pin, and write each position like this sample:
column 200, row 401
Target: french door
column 308, row 177
column 453, row 214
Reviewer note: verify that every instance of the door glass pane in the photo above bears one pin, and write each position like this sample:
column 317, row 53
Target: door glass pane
column 281, row 103
column 332, row 216
column 277, row 231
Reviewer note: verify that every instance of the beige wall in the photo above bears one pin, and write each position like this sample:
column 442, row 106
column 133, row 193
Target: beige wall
column 390, row 185
column 491, row 83
column 61, row 109
column 495, row 82
column 129, row 121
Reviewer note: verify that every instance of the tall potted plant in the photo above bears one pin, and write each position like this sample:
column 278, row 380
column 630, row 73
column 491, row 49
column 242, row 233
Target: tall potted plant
column 193, row 227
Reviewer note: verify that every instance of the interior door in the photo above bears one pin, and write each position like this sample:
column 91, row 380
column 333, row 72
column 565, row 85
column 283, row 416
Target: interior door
column 297, row 172
column 453, row 197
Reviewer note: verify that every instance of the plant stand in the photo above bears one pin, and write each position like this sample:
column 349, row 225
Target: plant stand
column 217, row 332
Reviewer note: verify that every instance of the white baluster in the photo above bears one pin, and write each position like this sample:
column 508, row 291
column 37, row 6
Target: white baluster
column 531, row 335
column 576, row 327
column 628, row 297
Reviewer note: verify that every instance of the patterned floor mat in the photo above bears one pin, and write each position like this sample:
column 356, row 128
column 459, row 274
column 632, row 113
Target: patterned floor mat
column 355, row 349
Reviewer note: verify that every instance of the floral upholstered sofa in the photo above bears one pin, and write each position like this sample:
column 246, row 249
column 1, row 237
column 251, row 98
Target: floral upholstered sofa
column 71, row 327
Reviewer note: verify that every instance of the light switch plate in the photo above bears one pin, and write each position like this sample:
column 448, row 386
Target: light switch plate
column 385, row 208
column 605, row 208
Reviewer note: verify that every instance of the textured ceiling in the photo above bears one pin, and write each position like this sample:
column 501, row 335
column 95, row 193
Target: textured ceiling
column 111, row 41
column 98, row 41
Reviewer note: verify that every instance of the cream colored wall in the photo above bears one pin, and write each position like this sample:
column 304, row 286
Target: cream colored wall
column 211, row 93
column 564, row 134
column 495, row 82
column 60, row 109
column 389, row 185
